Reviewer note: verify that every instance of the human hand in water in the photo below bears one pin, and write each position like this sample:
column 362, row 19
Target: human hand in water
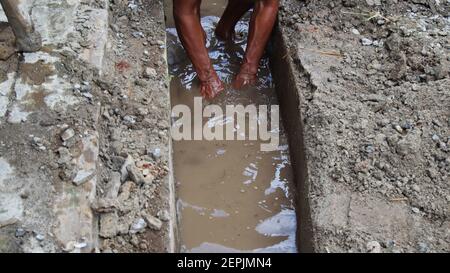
column 246, row 77
column 211, row 86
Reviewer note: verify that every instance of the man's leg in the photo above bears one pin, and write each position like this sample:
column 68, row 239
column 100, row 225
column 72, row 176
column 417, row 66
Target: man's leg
column 233, row 12
column 190, row 31
column 261, row 26
column 26, row 38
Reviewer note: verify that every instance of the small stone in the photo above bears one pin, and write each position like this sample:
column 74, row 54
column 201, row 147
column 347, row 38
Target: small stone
column 423, row 247
column 163, row 215
column 373, row 247
column 143, row 246
column 383, row 122
column 149, row 178
column 150, row 72
column 398, row 128
column 435, row 138
column 64, row 155
column 86, row 88
column 129, row 119
column 80, row 245
column 68, row 134
column 20, row 232
column 25, row 194
column 104, row 205
column 369, row 149
column 415, row 188
column 108, row 225
column 135, row 175
column 404, row 147
column 123, row 170
column 140, row 83
column 83, row 176
column 366, row 42
column 138, row 226
column 113, row 186
column 153, row 222
column 125, row 190
column 40, row 237
column 38, row 144
column 415, row 210
column 406, row 126
column 156, row 153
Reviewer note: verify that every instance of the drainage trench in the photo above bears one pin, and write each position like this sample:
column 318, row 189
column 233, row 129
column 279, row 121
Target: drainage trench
column 231, row 196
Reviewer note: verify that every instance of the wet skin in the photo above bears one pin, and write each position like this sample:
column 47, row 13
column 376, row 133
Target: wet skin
column 192, row 36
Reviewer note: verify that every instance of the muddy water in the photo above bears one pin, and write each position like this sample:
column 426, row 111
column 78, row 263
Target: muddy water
column 231, row 196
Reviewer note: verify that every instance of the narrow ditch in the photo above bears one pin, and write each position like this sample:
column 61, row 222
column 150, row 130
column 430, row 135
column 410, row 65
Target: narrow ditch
column 231, row 196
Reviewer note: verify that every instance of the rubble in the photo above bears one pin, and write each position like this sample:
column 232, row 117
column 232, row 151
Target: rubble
column 72, row 193
column 371, row 84
column 374, row 104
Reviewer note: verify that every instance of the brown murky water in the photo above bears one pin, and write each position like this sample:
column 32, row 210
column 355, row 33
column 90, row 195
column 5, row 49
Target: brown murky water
column 231, row 195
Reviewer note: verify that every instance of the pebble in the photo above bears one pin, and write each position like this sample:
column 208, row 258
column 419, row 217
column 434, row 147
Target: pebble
column 423, row 247
column 369, row 149
column 398, row 128
column 163, row 215
column 415, row 210
column 20, row 232
column 366, row 42
column 40, row 237
column 156, row 153
column 24, row 194
column 108, row 225
column 135, row 174
column 64, row 155
column 129, row 119
column 150, row 72
column 435, row 138
column 406, row 126
column 138, row 226
column 38, row 144
column 355, row 31
column 68, row 134
column 123, row 170
column 80, row 245
column 373, row 247
column 153, row 222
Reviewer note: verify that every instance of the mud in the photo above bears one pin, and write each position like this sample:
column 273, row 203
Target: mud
column 231, row 196
column 36, row 73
